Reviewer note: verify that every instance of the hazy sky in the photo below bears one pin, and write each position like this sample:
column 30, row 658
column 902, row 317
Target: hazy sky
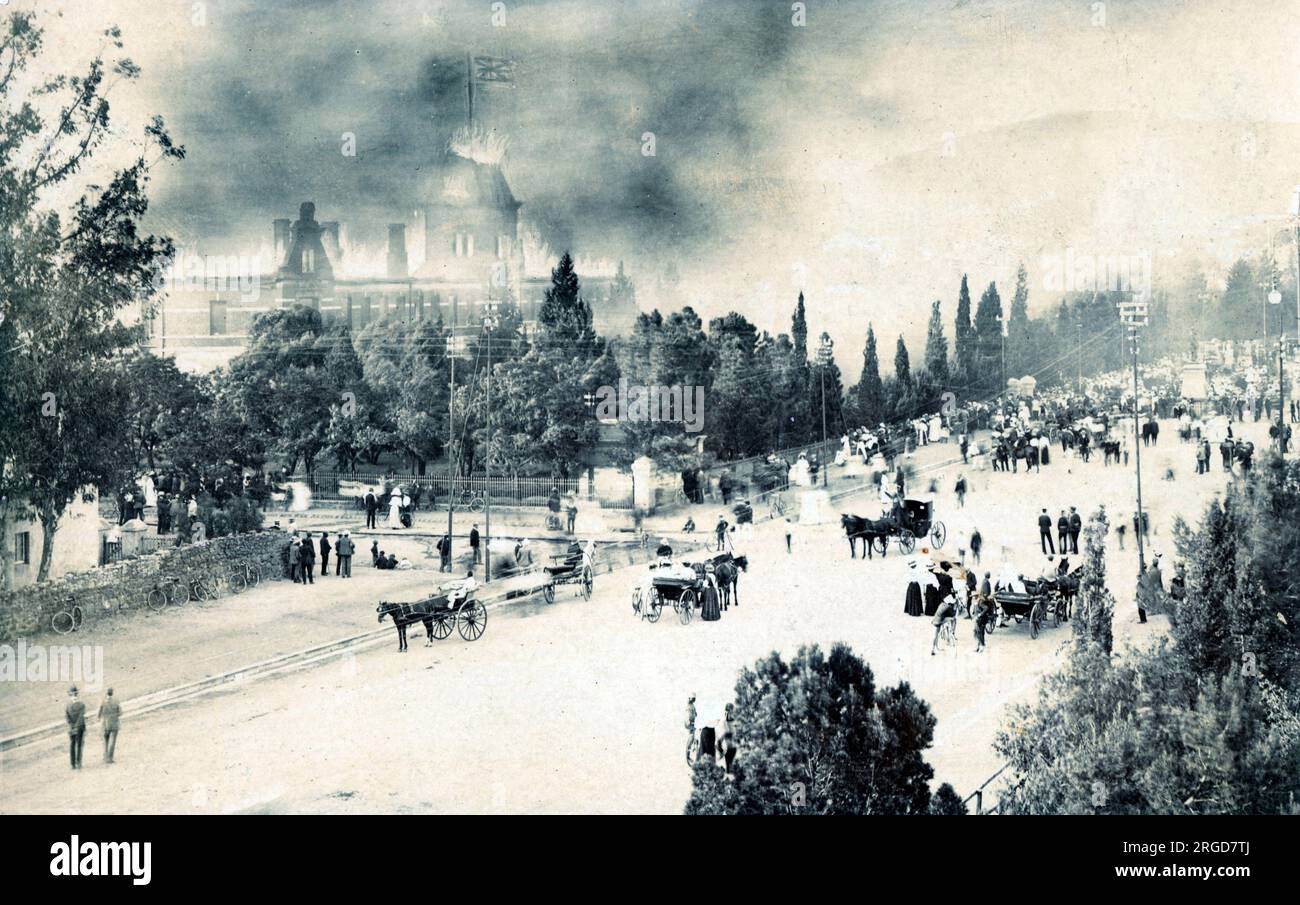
column 869, row 156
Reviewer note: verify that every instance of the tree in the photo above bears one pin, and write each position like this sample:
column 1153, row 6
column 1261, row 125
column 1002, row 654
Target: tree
column 1019, row 353
column 799, row 329
column 902, row 364
column 964, row 338
column 66, row 280
column 816, row 736
column 564, row 317
column 988, row 337
column 936, row 348
column 1094, row 610
column 871, row 392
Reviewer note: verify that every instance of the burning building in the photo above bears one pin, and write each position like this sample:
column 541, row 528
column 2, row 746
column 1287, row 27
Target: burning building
column 461, row 247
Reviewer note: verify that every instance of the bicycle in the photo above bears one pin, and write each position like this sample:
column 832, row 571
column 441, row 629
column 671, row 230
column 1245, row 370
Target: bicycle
column 69, row 619
column 242, row 579
column 170, row 590
column 947, row 638
column 204, row 589
column 473, row 500
column 775, row 505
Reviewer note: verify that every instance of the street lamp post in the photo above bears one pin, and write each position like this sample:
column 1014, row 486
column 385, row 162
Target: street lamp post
column 824, row 357
column 1137, row 449
column 1275, row 298
column 490, row 323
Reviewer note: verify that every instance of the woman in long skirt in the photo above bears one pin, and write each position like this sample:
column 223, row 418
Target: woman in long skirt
column 709, row 610
column 912, row 604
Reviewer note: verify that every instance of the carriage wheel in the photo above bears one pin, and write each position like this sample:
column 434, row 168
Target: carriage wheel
column 442, row 625
column 686, row 607
column 548, row 591
column 587, row 582
column 881, row 544
column 1056, row 612
column 907, row 542
column 471, row 620
column 938, row 534
column 654, row 606
column 1035, row 619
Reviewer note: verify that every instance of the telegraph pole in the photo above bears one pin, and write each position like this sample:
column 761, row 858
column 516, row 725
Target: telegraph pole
column 824, row 354
column 451, row 434
column 489, row 324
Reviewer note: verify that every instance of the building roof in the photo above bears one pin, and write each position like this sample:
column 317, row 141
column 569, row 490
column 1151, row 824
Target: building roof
column 462, row 182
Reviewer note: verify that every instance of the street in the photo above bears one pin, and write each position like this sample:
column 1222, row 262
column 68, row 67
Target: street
column 578, row 706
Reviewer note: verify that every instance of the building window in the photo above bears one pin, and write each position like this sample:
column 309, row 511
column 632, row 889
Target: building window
column 216, row 317
column 347, row 307
column 23, row 548
column 419, row 304
column 308, row 260
column 469, row 246
column 365, row 310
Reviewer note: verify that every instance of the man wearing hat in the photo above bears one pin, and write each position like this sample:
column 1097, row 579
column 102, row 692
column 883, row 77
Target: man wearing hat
column 75, row 713
column 343, row 551
column 110, row 714
column 1076, row 525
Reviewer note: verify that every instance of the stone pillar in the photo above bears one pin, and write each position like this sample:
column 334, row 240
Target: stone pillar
column 643, row 486
column 133, row 537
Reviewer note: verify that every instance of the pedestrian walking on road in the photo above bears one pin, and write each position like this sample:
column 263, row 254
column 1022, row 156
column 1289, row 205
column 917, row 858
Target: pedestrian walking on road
column 720, row 533
column 372, row 506
column 344, row 551
column 110, row 714
column 1045, row 532
column 75, row 714
column 307, row 559
column 1076, row 526
column 474, row 542
column 960, row 490
column 325, row 553
column 976, row 543
column 1063, row 532
column 295, row 557
column 444, row 553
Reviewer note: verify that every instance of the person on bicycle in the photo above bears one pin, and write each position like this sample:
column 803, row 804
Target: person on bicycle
column 947, row 612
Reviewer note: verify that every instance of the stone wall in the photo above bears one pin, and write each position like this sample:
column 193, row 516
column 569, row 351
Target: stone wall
column 27, row 611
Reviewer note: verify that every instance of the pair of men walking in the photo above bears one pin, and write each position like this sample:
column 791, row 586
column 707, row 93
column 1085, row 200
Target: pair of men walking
column 110, row 714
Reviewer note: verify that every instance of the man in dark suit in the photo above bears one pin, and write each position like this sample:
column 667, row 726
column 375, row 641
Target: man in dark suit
column 1076, row 525
column 110, row 715
column 75, row 714
column 307, row 559
column 474, row 543
column 325, row 553
column 1063, row 531
column 1045, row 533
column 371, row 505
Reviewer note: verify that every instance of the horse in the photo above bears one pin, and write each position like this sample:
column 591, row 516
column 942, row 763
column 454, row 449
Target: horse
column 403, row 615
column 727, row 575
column 855, row 526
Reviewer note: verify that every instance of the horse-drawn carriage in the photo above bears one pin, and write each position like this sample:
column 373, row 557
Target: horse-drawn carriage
column 914, row 519
column 1041, row 600
column 439, row 614
column 684, row 588
column 574, row 567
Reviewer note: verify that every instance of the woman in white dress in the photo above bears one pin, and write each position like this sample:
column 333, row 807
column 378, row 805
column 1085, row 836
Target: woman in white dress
column 395, row 510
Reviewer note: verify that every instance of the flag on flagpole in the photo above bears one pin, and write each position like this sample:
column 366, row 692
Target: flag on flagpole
column 494, row 69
